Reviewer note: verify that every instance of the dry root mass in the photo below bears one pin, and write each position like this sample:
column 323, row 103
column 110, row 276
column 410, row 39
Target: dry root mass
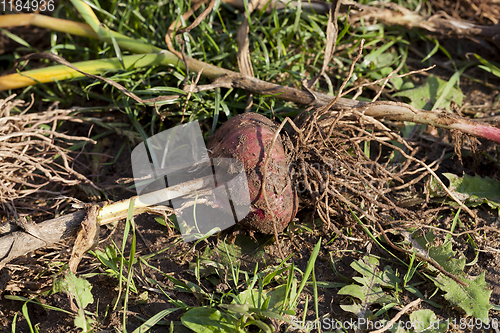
column 352, row 165
column 35, row 159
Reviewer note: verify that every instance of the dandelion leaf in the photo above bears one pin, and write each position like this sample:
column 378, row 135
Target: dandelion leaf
column 209, row 320
column 472, row 190
column 369, row 289
column 474, row 300
column 443, row 254
column 425, row 96
column 78, row 290
column 368, row 267
column 426, row 321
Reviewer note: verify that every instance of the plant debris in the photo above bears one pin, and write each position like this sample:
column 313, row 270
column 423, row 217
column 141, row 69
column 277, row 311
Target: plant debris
column 35, row 158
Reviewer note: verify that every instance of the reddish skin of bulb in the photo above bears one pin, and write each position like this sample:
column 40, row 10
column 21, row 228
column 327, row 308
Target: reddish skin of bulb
column 247, row 137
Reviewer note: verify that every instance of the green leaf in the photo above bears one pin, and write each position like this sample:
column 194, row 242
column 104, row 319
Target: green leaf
column 15, row 38
column 369, row 289
column 84, row 322
column 354, row 308
column 488, row 66
column 443, row 255
column 309, row 268
column 77, row 289
column 474, row 300
column 472, row 190
column 417, row 293
column 250, row 297
column 431, row 91
column 426, row 321
column 278, row 298
column 208, row 320
column 147, row 325
column 368, row 267
column 445, row 92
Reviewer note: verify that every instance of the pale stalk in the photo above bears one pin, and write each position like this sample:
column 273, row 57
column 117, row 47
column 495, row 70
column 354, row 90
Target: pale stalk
column 119, row 210
column 47, row 22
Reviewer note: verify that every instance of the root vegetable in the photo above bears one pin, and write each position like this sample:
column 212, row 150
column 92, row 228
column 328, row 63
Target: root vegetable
column 247, row 137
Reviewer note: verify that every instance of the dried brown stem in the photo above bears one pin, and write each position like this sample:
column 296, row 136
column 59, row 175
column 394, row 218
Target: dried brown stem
column 440, row 23
column 398, row 315
column 386, row 109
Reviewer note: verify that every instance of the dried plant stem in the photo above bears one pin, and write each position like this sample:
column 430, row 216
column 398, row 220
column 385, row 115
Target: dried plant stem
column 118, row 210
column 398, row 315
column 440, row 23
column 19, row 243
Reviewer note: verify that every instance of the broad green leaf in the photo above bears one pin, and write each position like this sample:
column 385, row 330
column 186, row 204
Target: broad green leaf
column 368, row 267
column 472, row 190
column 208, row 320
column 443, row 255
column 368, row 295
column 250, row 297
column 426, row 321
column 84, row 323
column 474, row 300
column 425, row 96
column 354, row 308
column 77, row 289
column 277, row 297
column 369, row 289
column 354, row 290
column 243, row 310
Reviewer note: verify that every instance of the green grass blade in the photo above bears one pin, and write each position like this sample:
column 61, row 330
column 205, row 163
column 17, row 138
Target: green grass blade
column 87, row 14
column 124, row 242
column 309, row 268
column 16, row 38
column 45, row 306
column 148, row 324
column 27, row 316
column 14, row 321
column 488, row 66
column 447, row 88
